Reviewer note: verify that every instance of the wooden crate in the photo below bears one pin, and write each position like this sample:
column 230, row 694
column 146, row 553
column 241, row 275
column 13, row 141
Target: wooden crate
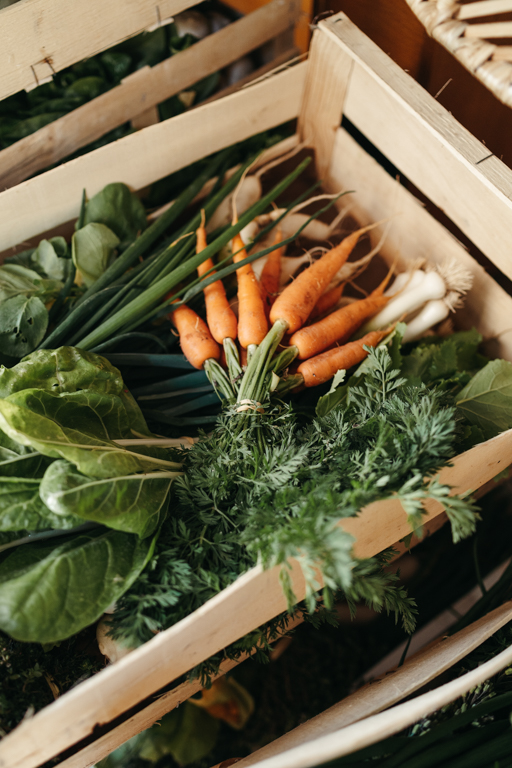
column 65, row 32
column 345, row 75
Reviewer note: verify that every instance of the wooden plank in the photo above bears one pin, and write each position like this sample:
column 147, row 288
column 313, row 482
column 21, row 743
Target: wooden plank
column 412, row 234
column 141, row 91
column 389, row 690
column 483, row 8
column 324, row 93
column 38, row 38
column 47, row 200
column 452, row 168
column 147, row 717
column 253, row 599
column 373, row 729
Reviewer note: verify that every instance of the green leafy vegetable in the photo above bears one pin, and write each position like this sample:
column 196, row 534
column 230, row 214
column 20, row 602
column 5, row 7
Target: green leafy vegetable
column 23, row 324
column 135, row 504
column 120, row 210
column 19, row 461
column 92, row 249
column 486, row 401
column 33, row 418
column 46, row 259
column 50, row 593
column 62, row 370
column 21, row 507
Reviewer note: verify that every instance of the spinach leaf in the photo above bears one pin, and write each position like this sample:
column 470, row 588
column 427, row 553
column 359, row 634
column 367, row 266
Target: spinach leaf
column 16, row 279
column 116, row 207
column 41, row 259
column 32, row 417
column 21, row 507
column 134, row 503
column 66, row 369
column 18, row 460
column 49, row 593
column 23, row 324
column 486, row 401
column 92, row 250
column 46, row 260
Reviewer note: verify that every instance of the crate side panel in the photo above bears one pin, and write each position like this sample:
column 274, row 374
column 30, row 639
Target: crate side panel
column 38, row 38
column 52, row 198
column 427, row 144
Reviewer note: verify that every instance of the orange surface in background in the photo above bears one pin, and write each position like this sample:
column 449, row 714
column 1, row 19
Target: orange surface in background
column 302, row 33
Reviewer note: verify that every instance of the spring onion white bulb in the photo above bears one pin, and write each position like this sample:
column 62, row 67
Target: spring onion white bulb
column 246, row 194
column 431, row 314
column 409, row 300
column 406, row 279
column 249, row 232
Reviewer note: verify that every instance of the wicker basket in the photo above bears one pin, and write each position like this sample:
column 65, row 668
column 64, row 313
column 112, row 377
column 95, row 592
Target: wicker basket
column 478, row 33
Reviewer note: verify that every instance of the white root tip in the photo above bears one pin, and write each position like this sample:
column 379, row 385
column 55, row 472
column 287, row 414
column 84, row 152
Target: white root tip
column 457, row 278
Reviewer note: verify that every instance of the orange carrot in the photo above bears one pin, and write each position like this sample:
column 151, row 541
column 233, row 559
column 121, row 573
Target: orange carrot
column 197, row 344
column 339, row 325
column 327, row 301
column 252, row 321
column 220, row 317
column 296, row 302
column 322, row 368
column 271, row 273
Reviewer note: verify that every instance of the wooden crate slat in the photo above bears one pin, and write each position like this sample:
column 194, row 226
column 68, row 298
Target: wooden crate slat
column 142, row 90
column 322, row 108
column 46, row 201
column 38, row 38
column 447, row 163
column 254, row 599
column 380, row 694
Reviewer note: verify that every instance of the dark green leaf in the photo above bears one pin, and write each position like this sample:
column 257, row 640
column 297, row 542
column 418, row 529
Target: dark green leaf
column 134, row 504
column 49, row 593
column 23, row 323
column 75, row 427
column 92, row 249
column 119, row 209
column 486, row 401
column 62, row 370
column 19, row 461
column 21, row 508
column 187, row 733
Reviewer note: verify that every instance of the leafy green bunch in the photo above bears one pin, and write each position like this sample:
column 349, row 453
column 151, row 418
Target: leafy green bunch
column 82, row 495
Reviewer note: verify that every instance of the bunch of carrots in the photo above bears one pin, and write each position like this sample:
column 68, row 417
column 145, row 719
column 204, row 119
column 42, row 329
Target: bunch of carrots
column 268, row 320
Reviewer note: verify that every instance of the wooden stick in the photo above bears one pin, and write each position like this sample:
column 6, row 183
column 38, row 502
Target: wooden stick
column 38, row 39
column 483, row 8
column 491, row 29
column 381, row 694
column 385, row 724
column 141, row 91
